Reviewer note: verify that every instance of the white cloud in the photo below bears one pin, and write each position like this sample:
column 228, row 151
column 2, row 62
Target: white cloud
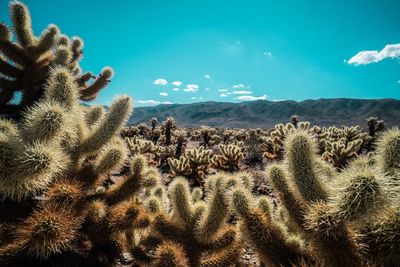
column 223, row 90
column 193, row 97
column 160, row 81
column 152, row 102
column 176, row 83
column 163, row 94
column 238, row 86
column 175, row 89
column 207, row 76
column 373, row 56
column 224, row 94
column 207, row 88
column 242, row 92
column 267, row 54
column 251, row 98
column 191, row 88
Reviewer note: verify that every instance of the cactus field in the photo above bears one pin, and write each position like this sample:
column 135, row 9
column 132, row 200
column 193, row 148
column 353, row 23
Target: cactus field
column 80, row 187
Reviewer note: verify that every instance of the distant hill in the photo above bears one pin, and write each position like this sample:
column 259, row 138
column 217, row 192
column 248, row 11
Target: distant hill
column 265, row 114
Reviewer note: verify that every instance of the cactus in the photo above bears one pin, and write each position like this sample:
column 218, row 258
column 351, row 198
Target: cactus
column 56, row 156
column 140, row 146
column 168, row 126
column 199, row 229
column 26, row 65
column 230, row 157
column 193, row 165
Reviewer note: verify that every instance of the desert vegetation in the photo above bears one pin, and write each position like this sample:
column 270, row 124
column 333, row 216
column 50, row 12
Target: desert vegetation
column 80, row 188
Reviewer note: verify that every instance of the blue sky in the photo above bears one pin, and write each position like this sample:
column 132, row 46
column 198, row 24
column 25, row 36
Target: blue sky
column 233, row 50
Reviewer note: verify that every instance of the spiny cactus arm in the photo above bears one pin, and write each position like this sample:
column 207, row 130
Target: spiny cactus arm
column 266, row 236
column 170, row 254
column 64, row 193
column 382, row 238
column 358, row 192
column 32, row 169
column 388, row 151
column 109, row 126
column 225, row 237
column 47, row 39
column 47, row 232
column 181, row 200
column 93, row 115
column 101, row 82
column 127, row 215
column 327, row 232
column 84, row 78
column 44, row 122
column 217, row 211
column 265, row 204
column 8, row 128
column 226, row 257
column 22, row 24
column 197, row 194
column 300, row 154
column 166, row 228
column 62, row 89
column 292, row 202
column 131, row 185
column 111, row 157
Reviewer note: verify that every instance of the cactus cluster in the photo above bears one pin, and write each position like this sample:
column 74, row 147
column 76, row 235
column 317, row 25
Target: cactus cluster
column 79, row 189
column 26, row 65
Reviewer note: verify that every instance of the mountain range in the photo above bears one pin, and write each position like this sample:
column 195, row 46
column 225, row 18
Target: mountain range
column 265, row 114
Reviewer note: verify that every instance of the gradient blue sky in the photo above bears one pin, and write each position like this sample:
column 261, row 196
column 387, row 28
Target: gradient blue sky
column 263, row 49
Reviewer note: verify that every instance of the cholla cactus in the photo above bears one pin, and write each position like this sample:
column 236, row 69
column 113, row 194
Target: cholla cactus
column 340, row 146
column 333, row 215
column 26, row 65
column 294, row 119
column 275, row 244
column 140, row 146
column 180, row 142
column 206, row 134
column 277, row 137
column 153, row 123
column 198, row 231
column 193, row 165
column 53, row 161
column 230, row 157
column 168, row 126
column 340, row 153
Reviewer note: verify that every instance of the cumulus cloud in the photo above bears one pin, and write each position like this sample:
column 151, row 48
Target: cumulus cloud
column 175, row 89
column 242, row 92
column 224, row 94
column 238, row 86
column 160, row 81
column 191, row 88
column 176, row 83
column 251, row 98
column 223, row 90
column 207, row 76
column 374, row 56
column 152, row 102
column 163, row 94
